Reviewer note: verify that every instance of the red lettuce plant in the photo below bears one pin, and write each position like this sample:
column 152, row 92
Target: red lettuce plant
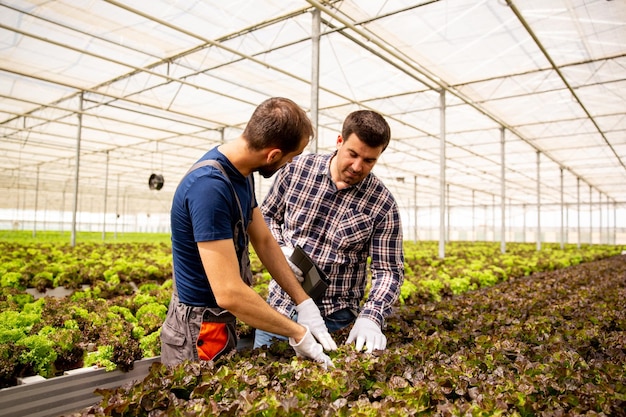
column 553, row 343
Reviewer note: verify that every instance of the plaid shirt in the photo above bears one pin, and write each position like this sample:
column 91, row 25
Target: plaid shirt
column 339, row 229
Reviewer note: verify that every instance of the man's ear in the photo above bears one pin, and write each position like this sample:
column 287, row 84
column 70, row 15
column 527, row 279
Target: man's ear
column 274, row 155
column 339, row 141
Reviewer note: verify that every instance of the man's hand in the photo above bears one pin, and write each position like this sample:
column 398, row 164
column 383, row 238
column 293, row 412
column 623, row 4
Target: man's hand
column 297, row 271
column 309, row 316
column 367, row 333
column 309, row 348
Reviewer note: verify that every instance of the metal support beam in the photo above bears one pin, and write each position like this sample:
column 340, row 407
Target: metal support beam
column 538, row 200
column 524, row 225
column 442, row 173
column 502, row 191
column 473, row 215
column 117, row 205
column 562, row 214
column 600, row 235
column 590, row 215
column 315, row 75
column 614, row 222
column 415, row 202
column 106, row 191
column 79, row 129
column 36, row 204
column 608, row 228
column 578, row 231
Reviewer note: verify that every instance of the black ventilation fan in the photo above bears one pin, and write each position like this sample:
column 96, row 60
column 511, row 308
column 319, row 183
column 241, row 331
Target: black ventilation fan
column 155, row 182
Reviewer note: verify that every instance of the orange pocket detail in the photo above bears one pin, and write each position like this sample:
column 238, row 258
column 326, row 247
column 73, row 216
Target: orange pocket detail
column 212, row 340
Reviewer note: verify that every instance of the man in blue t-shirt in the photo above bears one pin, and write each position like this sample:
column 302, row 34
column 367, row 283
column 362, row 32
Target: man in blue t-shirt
column 214, row 215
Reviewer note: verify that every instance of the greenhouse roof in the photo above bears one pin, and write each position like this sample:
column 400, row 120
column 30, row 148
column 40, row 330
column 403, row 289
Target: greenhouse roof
column 149, row 86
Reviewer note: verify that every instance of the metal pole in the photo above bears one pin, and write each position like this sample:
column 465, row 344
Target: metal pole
column 562, row 214
column 415, row 208
column 117, row 205
column 590, row 216
column 578, row 209
column 538, row 201
column 524, row 225
column 106, row 190
column 442, row 173
column 600, row 217
column 473, row 216
column 502, row 192
column 315, row 74
column 36, row 204
column 77, row 168
column 606, row 234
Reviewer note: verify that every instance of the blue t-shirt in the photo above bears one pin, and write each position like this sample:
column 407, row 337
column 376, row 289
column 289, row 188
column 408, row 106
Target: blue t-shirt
column 204, row 209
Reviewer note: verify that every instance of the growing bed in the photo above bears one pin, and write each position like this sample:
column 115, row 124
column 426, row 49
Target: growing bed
column 481, row 333
column 553, row 343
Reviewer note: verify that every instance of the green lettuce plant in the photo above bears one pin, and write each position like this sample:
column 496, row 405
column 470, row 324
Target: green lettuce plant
column 125, row 301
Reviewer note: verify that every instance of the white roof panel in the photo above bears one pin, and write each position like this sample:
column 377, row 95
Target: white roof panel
column 153, row 85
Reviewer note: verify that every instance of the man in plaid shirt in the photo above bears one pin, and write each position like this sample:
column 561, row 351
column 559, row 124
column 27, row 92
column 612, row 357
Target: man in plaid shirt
column 341, row 214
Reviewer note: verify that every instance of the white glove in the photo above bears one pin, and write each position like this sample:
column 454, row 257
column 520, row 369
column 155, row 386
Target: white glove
column 309, row 348
column 297, row 271
column 367, row 333
column 309, row 316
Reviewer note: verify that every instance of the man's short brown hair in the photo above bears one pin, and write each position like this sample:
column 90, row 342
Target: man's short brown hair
column 371, row 128
column 278, row 123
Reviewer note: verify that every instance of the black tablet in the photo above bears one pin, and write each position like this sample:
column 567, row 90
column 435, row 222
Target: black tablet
column 315, row 280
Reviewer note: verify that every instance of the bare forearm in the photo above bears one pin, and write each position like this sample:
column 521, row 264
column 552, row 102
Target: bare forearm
column 251, row 309
column 231, row 293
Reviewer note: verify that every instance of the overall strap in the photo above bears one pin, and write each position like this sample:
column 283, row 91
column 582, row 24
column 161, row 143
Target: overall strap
column 216, row 164
column 244, row 262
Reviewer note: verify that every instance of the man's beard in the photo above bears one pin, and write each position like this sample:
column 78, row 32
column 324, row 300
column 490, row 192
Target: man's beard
column 268, row 170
